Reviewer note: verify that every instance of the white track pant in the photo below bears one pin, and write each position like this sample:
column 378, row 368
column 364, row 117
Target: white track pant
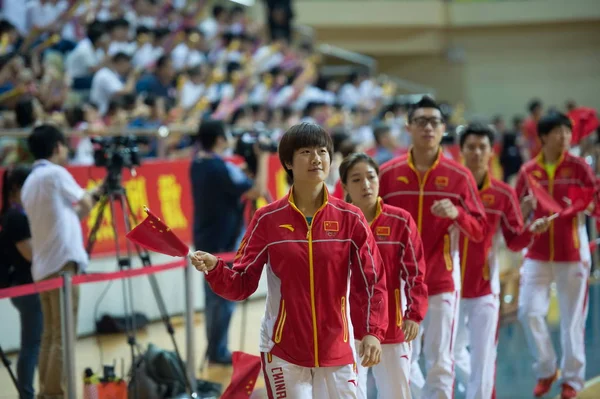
column 438, row 331
column 391, row 374
column 534, row 298
column 478, row 330
column 286, row 380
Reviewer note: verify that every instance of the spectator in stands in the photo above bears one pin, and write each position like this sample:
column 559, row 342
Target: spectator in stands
column 108, row 81
column 88, row 57
column 55, row 205
column 511, row 155
column 215, row 24
column 280, row 15
column 536, row 109
column 385, row 144
column 190, row 53
column 119, row 37
column 349, row 94
column 15, row 246
column 315, row 112
column 217, row 189
column 160, row 82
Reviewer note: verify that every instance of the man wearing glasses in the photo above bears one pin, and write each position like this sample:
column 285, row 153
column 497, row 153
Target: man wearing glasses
column 443, row 199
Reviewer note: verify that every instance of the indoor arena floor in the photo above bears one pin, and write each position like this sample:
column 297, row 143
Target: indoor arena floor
column 514, row 375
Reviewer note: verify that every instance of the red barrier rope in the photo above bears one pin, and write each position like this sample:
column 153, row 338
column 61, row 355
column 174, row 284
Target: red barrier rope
column 55, row 283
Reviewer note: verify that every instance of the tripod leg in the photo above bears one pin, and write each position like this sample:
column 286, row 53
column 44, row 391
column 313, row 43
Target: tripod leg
column 6, row 363
column 127, row 293
column 100, row 216
column 145, row 258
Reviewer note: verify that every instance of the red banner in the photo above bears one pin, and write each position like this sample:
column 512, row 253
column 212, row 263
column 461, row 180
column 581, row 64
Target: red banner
column 164, row 186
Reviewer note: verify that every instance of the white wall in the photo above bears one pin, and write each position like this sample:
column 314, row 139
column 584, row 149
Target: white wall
column 171, row 286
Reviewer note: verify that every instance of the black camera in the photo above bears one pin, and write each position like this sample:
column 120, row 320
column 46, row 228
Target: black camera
column 246, row 140
column 116, row 153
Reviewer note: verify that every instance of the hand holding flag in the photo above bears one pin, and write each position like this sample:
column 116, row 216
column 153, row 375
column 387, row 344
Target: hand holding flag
column 544, row 199
column 579, row 198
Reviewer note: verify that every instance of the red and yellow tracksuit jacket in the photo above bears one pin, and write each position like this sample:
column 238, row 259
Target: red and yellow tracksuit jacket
column 401, row 249
column 478, row 261
column 403, row 186
column 310, row 268
column 562, row 241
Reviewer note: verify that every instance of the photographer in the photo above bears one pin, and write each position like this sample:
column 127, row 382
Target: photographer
column 54, row 204
column 218, row 188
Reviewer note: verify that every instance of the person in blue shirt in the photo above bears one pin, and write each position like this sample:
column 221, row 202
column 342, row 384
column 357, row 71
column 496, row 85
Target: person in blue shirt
column 218, row 187
column 160, row 82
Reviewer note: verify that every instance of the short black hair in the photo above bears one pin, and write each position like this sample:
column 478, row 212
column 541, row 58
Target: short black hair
column 209, row 131
column 218, row 10
column 517, row 120
column 551, row 121
column 303, row 135
column 25, row 112
column 533, row 104
column 162, row 61
column 476, row 129
column 43, row 140
column 120, row 57
column 425, row 102
column 380, row 130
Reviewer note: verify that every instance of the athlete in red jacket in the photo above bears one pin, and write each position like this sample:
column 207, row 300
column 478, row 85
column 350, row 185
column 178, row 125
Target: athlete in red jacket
column 441, row 196
column 479, row 306
column 402, row 252
column 561, row 255
column 315, row 247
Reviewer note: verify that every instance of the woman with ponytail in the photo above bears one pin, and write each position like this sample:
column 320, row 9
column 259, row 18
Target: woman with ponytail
column 15, row 265
column 401, row 249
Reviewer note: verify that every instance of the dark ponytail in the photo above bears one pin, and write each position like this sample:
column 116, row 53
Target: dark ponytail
column 13, row 179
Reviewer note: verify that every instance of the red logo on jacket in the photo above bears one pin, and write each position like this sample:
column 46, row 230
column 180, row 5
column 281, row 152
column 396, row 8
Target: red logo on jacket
column 382, row 231
column 332, row 226
column 441, row 181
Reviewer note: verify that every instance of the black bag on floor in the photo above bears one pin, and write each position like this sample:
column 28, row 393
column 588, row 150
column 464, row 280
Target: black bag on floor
column 109, row 324
column 159, row 375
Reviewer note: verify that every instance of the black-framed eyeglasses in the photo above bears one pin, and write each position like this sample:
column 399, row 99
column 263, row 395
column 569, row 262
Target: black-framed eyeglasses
column 423, row 121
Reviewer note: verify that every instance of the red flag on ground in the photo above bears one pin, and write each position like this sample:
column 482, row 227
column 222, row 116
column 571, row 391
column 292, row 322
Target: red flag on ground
column 544, row 199
column 245, row 372
column 580, row 199
column 156, row 236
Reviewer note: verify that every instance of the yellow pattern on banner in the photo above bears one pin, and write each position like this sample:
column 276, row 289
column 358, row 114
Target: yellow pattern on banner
column 169, row 194
column 105, row 232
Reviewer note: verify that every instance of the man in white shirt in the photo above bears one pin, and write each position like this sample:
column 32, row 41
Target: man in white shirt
column 54, row 204
column 107, row 82
column 88, row 56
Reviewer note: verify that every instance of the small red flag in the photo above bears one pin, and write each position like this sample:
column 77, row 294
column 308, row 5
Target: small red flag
column 580, row 199
column 245, row 372
column 544, row 199
column 156, row 236
column 585, row 122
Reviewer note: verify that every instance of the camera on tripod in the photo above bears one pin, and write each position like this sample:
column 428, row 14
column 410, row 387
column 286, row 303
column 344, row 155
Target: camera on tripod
column 247, row 139
column 117, row 152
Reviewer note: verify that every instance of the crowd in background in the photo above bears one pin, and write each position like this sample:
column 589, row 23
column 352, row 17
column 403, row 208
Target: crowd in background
column 104, row 66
